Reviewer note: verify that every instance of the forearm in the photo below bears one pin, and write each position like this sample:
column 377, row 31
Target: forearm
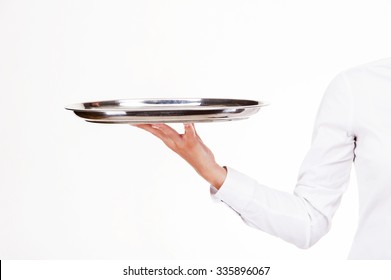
column 281, row 214
column 213, row 174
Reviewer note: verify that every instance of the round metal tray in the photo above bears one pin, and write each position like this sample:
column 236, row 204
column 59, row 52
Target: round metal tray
column 137, row 111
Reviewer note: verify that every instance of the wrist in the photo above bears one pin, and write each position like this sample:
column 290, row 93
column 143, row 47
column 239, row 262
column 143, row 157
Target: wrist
column 216, row 176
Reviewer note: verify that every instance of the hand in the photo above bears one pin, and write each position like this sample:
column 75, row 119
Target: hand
column 191, row 148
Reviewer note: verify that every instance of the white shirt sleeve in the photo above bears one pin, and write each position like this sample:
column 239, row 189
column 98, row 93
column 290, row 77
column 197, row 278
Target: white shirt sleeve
column 304, row 216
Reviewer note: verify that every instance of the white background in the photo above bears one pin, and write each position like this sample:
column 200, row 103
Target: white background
column 75, row 190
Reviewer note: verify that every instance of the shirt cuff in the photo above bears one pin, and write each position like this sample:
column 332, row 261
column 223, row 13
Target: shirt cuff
column 237, row 190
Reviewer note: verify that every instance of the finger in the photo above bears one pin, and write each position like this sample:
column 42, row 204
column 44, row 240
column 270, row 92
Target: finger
column 190, row 129
column 164, row 132
column 168, row 131
column 150, row 128
column 138, row 125
column 142, row 125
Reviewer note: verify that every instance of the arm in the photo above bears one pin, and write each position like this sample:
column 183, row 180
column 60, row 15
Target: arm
column 304, row 216
column 301, row 217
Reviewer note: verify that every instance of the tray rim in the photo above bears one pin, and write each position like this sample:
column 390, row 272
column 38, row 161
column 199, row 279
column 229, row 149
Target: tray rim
column 157, row 107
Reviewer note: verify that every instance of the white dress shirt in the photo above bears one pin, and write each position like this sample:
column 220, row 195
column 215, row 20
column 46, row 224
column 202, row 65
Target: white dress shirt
column 353, row 125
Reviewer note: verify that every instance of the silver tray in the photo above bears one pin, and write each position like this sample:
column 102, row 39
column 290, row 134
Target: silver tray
column 166, row 110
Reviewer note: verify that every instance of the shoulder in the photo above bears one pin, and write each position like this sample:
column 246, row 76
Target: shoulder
column 366, row 72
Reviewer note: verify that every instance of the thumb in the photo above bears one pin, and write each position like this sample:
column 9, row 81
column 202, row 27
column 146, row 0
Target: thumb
column 190, row 129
